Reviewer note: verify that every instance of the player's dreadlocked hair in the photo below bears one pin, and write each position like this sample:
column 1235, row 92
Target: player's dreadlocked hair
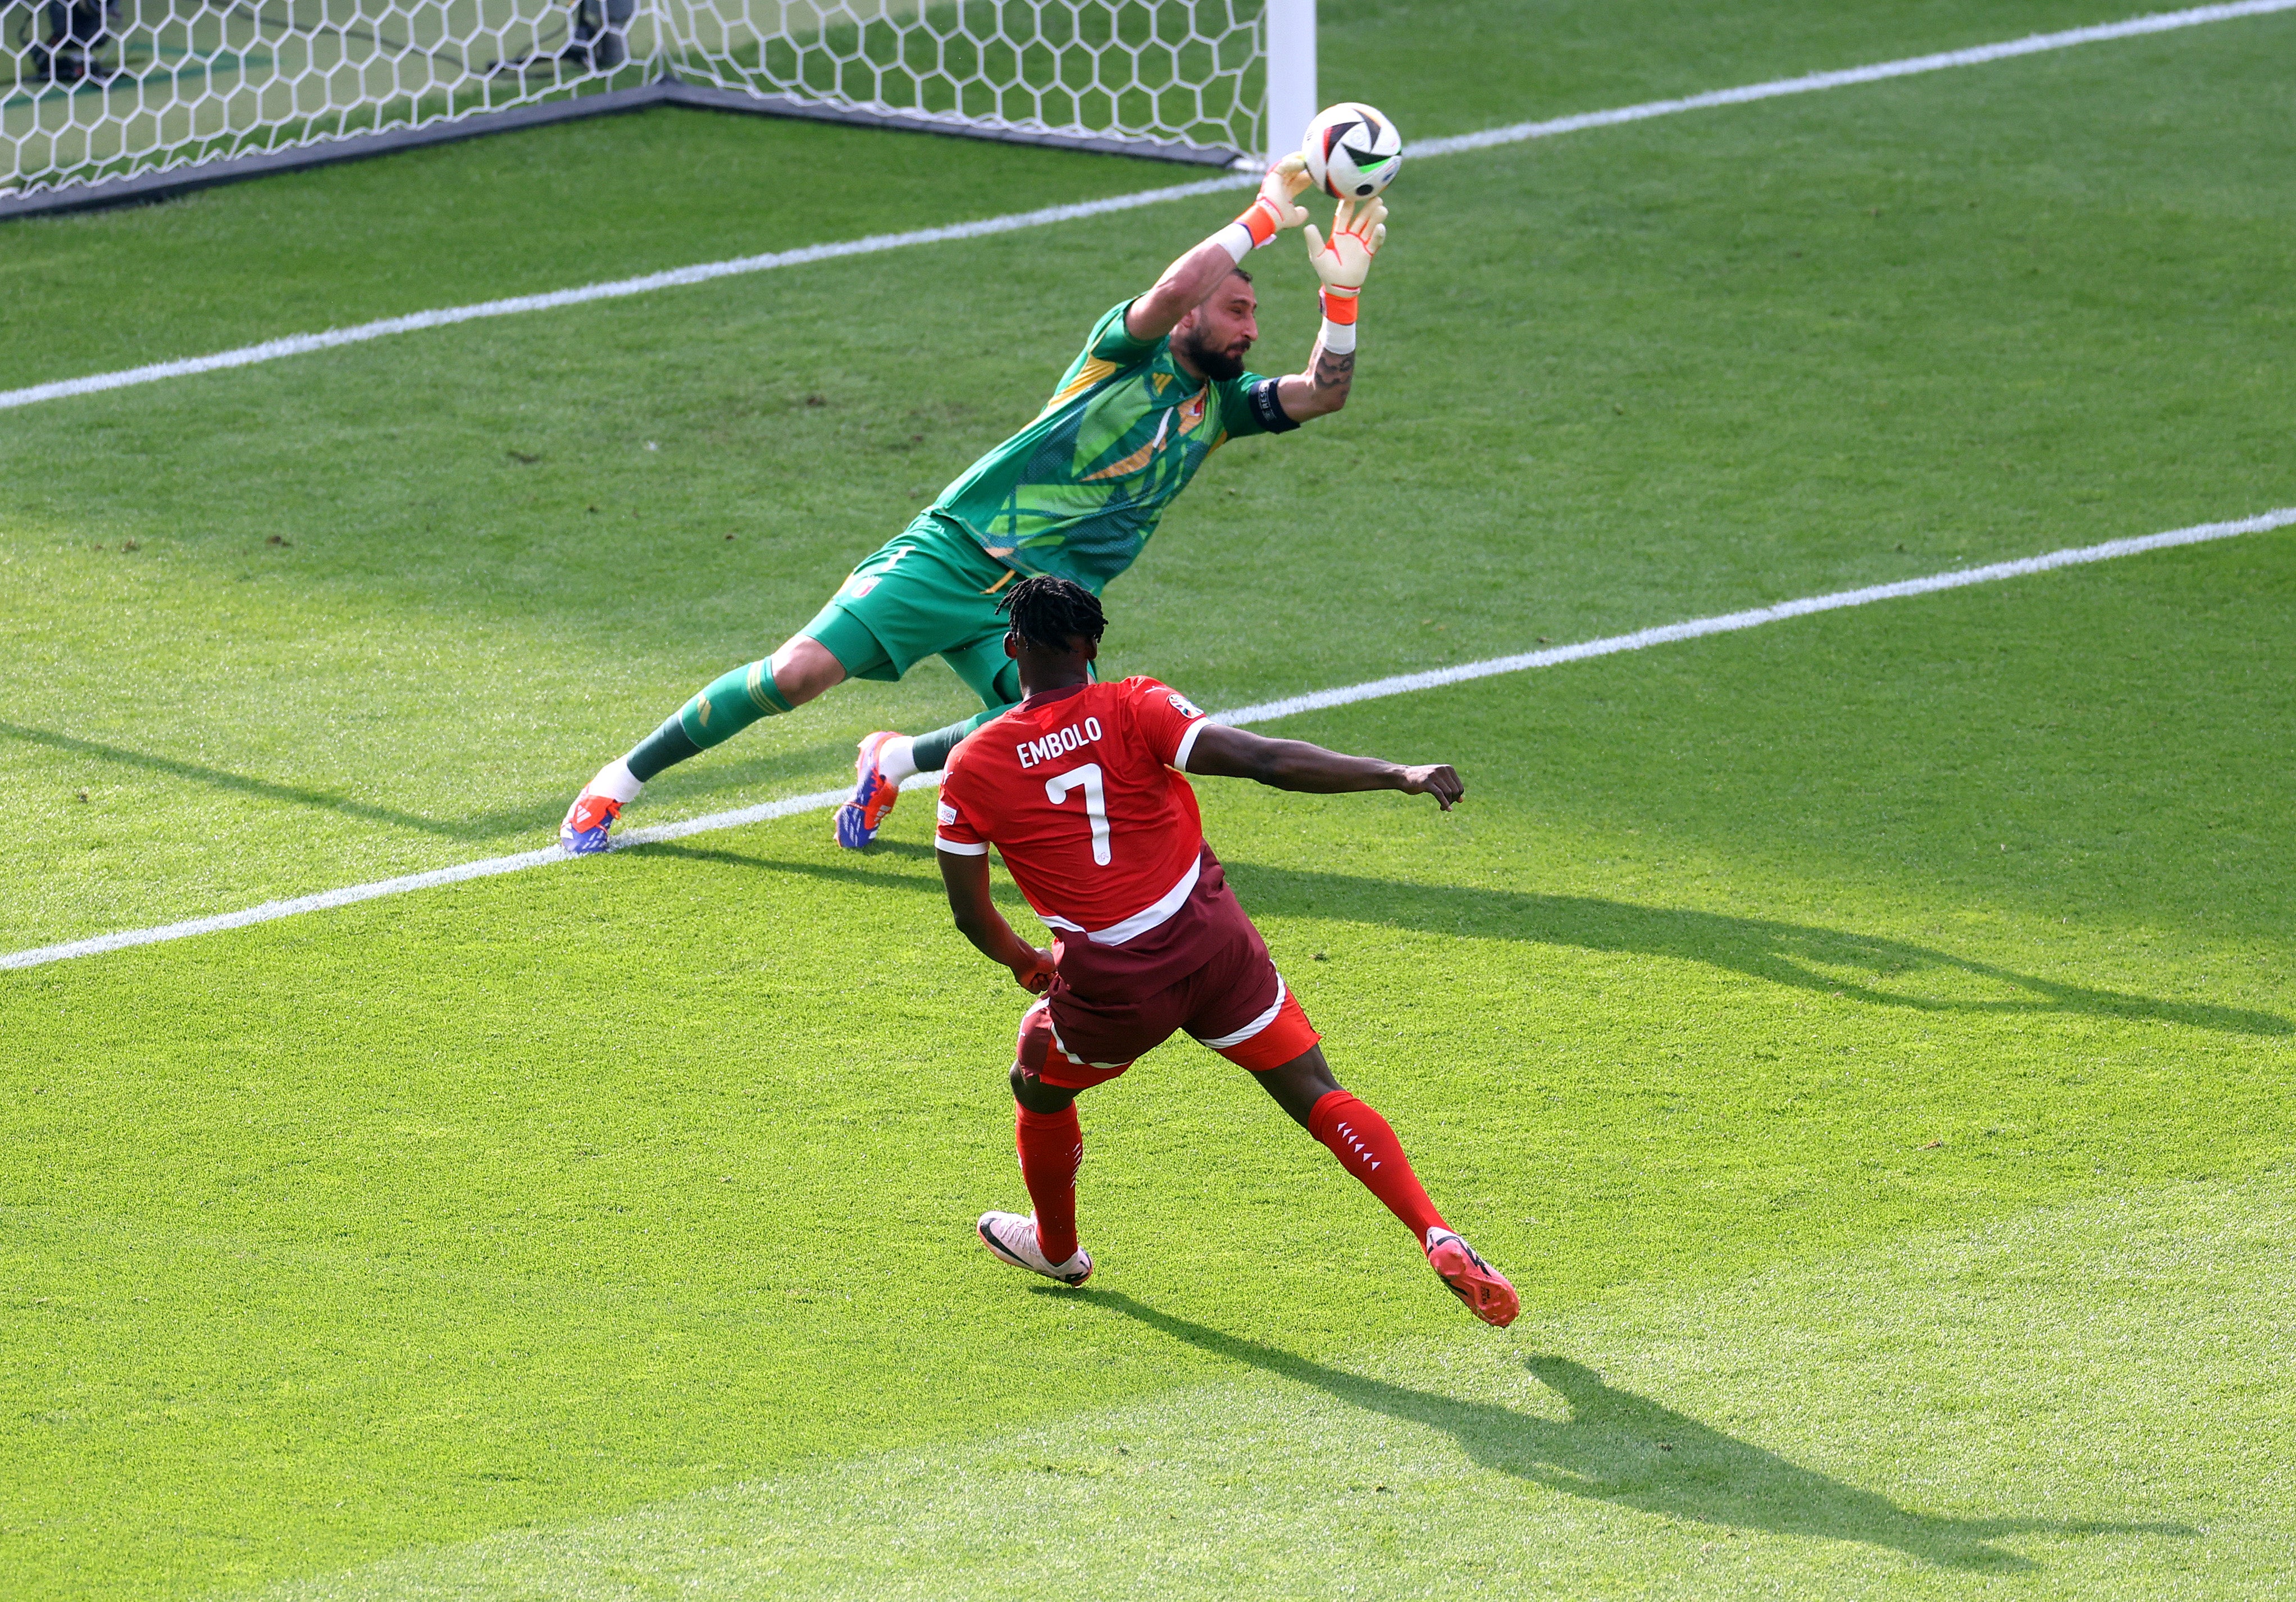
column 1048, row 612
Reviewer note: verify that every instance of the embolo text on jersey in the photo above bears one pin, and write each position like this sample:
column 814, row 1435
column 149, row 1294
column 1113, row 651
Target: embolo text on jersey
column 1079, row 789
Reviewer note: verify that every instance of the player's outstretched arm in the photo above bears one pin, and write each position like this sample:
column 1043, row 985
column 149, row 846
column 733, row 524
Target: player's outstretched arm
column 966, row 879
column 1294, row 764
column 1358, row 229
column 1190, row 281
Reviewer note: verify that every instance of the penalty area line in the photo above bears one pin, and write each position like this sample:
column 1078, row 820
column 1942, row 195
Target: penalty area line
column 1258, row 712
column 296, row 345
column 406, row 884
column 1975, row 55
column 1755, row 616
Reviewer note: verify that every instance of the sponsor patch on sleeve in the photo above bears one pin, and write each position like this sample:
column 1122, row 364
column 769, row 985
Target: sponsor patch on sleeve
column 947, row 813
column 1182, row 705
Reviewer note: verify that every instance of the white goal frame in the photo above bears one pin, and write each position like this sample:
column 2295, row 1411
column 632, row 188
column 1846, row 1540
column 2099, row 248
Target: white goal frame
column 123, row 100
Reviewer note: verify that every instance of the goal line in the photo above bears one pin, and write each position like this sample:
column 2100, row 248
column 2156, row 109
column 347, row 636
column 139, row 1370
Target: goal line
column 1260, row 712
column 295, row 345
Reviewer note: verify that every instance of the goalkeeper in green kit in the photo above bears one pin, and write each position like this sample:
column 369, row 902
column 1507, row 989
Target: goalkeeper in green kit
column 1158, row 386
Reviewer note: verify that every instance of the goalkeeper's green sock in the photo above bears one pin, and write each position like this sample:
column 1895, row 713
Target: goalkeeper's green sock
column 930, row 751
column 725, row 706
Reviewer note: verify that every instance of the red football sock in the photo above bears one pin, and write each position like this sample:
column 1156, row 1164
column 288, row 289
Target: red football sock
column 1052, row 1150
column 1368, row 1148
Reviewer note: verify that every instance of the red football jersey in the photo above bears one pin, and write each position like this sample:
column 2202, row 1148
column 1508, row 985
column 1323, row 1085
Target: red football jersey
column 1080, row 792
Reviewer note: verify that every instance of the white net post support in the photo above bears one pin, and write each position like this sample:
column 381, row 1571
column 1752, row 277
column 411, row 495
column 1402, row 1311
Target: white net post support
column 126, row 98
column 1291, row 103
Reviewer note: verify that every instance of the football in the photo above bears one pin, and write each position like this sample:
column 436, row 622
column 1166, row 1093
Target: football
column 1353, row 151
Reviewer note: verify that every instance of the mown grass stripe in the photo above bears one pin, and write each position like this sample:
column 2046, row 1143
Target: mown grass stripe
column 295, row 345
column 1145, row 1494
column 1258, row 713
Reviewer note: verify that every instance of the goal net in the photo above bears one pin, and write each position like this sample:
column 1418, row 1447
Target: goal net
column 105, row 89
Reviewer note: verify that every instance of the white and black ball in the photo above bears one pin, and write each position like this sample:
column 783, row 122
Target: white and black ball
column 1353, row 151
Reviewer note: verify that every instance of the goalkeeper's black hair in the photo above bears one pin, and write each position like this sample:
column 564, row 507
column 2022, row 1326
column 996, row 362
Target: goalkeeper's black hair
column 1049, row 612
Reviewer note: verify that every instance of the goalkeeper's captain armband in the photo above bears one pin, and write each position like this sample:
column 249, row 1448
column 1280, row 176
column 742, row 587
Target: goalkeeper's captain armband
column 1340, row 320
column 1267, row 405
column 1261, row 221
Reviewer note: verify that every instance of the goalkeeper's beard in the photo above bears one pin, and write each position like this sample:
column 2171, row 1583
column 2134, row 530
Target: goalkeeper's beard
column 1215, row 364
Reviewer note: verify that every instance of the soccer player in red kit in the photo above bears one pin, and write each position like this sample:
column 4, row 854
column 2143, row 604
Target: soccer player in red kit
column 1080, row 789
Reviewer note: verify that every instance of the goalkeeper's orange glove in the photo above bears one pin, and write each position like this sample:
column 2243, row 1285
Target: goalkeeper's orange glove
column 1274, row 210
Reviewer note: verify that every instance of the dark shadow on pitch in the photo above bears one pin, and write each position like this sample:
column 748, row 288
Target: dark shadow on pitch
column 1791, row 954
column 846, row 868
column 483, row 827
column 1626, row 1449
column 501, row 824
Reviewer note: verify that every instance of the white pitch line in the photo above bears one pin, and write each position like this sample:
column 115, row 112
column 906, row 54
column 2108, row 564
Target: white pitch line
column 351, row 894
column 296, row 345
column 1754, row 618
column 1258, row 713
column 1810, row 83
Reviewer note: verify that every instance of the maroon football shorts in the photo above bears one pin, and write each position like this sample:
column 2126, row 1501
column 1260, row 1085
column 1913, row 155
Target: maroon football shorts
column 1205, row 971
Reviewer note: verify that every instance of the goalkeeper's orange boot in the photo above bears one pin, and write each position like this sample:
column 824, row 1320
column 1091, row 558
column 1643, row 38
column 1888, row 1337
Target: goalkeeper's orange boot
column 1486, row 1291
column 873, row 794
column 587, row 823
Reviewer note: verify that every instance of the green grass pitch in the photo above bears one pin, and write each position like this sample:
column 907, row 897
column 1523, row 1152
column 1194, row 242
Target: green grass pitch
column 1867, row 1040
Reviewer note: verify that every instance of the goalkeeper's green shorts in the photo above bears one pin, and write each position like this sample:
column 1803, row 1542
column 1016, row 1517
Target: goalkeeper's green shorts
column 930, row 592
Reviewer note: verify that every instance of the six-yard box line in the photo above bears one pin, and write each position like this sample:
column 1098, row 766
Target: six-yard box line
column 295, row 345
column 1258, row 713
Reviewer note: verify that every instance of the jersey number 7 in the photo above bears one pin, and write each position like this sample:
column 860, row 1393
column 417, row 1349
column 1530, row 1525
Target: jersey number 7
column 1096, row 803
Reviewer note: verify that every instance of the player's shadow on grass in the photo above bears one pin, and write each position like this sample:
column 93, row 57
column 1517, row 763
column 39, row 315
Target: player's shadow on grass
column 1620, row 1448
column 501, row 825
column 1793, row 954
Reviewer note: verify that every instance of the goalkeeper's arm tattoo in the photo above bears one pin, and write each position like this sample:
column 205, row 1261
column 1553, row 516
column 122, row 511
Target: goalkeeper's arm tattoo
column 1322, row 389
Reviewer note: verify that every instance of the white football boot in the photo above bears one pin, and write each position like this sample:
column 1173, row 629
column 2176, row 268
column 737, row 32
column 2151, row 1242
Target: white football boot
column 1012, row 1236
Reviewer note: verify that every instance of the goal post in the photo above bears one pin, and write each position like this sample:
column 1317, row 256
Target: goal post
column 1291, row 66
column 109, row 100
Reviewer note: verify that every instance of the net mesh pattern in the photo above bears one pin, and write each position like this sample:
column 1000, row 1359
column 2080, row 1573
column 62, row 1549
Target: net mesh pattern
column 110, row 88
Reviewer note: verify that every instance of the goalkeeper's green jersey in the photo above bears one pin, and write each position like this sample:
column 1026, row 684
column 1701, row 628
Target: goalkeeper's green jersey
column 1077, row 492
